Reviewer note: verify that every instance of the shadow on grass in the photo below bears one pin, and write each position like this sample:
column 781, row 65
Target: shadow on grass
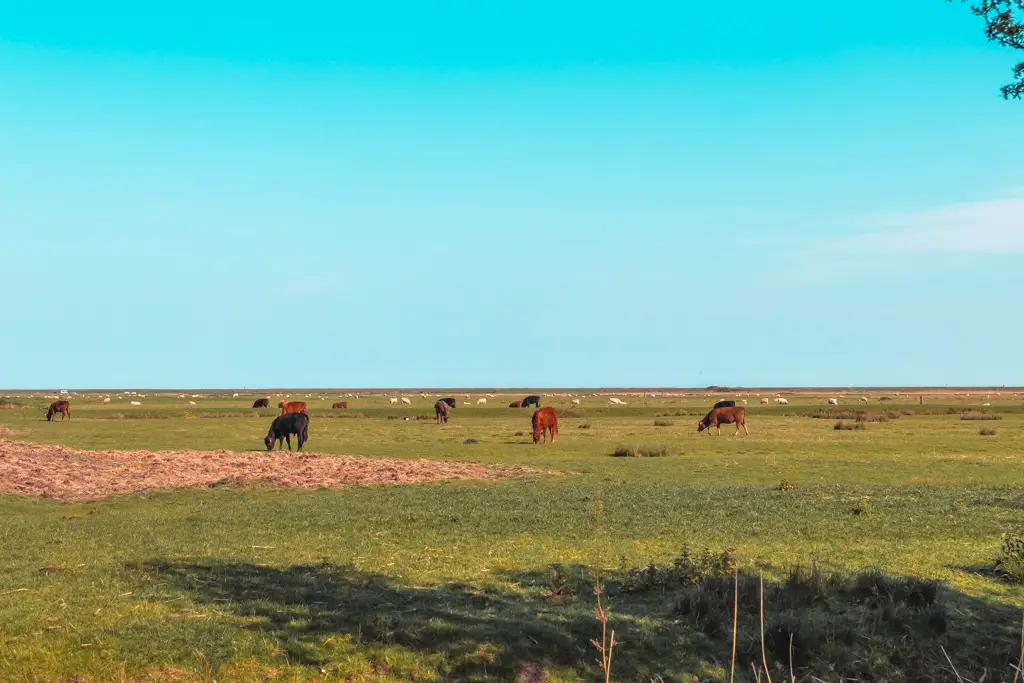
column 867, row 626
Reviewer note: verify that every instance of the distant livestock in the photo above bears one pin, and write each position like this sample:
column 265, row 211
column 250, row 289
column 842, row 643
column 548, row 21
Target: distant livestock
column 136, row 403
column 406, row 401
column 450, row 401
column 617, row 402
column 863, row 399
column 62, row 407
column 441, row 409
column 833, row 401
column 725, row 415
column 481, row 401
column 575, row 401
column 340, row 404
column 515, row 404
column 764, row 401
column 106, row 400
column 782, row 401
column 723, row 404
column 282, row 428
column 288, row 407
column 545, row 421
column 394, row 401
column 531, row 400
column 261, row 403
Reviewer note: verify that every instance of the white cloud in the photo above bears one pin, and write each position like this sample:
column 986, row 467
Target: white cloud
column 991, row 226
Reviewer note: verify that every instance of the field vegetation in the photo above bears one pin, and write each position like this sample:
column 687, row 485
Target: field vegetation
column 890, row 553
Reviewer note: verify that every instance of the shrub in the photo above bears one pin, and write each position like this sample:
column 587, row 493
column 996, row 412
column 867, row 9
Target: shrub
column 850, row 426
column 872, row 417
column 860, row 508
column 470, row 441
column 987, row 431
column 833, row 414
column 663, row 423
column 978, row 415
column 426, row 417
column 642, row 451
column 678, row 413
column 1010, row 564
column 570, row 413
column 585, row 425
column 785, row 486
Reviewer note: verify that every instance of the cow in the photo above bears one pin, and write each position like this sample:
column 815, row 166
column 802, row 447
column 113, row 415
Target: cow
column 284, row 426
column 261, row 403
column 545, row 421
column 441, row 409
column 62, row 407
column 394, row 401
column 340, row 404
column 531, row 400
column 292, row 407
column 725, row 415
column 406, row 401
column 450, row 401
column 481, row 401
column 515, row 404
column 723, row 404
column 833, row 401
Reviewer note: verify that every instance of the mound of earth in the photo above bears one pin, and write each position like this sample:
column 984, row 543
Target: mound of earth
column 69, row 475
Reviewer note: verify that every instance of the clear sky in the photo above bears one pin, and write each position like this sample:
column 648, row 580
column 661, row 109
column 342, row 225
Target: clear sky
column 507, row 194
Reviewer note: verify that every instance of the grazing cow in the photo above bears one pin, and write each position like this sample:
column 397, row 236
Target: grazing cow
column 394, row 401
column 481, row 401
column 261, row 403
column 545, row 421
column 292, row 407
column 575, row 401
column 833, row 401
column 441, row 409
column 62, row 407
column 406, row 401
column 282, row 428
column 515, row 404
column 723, row 404
column 531, row 400
column 764, row 401
column 725, row 415
column 450, row 401
column 340, row 404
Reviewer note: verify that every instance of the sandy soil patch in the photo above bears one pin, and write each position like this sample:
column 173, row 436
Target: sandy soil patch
column 68, row 474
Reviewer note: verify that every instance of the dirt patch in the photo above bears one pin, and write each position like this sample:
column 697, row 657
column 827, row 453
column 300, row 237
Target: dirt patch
column 7, row 431
column 68, row 474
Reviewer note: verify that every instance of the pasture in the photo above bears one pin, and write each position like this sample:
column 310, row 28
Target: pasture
column 492, row 579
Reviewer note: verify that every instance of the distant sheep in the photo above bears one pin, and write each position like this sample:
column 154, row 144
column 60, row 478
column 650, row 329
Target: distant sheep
column 575, row 401
column 106, row 400
column 781, row 401
column 406, row 401
column 394, row 401
column 136, row 403
column 863, row 399
column 764, row 401
column 481, row 401
column 191, row 403
column 833, row 401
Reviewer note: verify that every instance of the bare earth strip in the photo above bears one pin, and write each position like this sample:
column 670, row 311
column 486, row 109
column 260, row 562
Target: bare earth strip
column 68, row 474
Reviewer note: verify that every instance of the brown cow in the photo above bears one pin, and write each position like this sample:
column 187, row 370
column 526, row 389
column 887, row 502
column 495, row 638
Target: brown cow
column 726, row 415
column 292, row 407
column 441, row 409
column 62, row 407
column 545, row 420
column 340, row 404
column 515, row 404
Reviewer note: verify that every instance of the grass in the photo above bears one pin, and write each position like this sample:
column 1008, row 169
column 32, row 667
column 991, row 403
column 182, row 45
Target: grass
column 987, row 431
column 470, row 580
column 849, row 426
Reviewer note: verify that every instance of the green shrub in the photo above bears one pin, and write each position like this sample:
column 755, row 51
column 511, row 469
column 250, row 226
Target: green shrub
column 641, row 451
column 663, row 423
column 978, row 415
column 987, row 431
column 1010, row 564
column 850, row 426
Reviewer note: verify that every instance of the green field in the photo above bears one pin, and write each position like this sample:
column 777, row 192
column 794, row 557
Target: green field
column 475, row 580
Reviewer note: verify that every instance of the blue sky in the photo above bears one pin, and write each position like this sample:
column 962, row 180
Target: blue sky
column 311, row 194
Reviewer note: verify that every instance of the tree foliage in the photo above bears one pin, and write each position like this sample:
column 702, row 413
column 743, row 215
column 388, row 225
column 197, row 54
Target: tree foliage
column 1004, row 25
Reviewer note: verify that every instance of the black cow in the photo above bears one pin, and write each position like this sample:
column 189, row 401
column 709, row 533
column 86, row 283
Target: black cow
column 284, row 426
column 450, row 401
column 261, row 403
column 531, row 401
column 724, row 404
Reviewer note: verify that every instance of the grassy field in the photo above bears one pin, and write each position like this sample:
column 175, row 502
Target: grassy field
column 487, row 581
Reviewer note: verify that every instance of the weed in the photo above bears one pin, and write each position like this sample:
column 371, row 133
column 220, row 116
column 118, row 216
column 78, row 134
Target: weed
column 978, row 415
column 641, row 451
column 785, row 486
column 860, row 508
column 1010, row 563
column 849, row 426
column 663, row 423
column 987, row 431
column 571, row 413
column 470, row 441
column 872, row 417
column 585, row 425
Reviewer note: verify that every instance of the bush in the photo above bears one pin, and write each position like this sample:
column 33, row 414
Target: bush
column 872, row 417
column 570, row 413
column 642, row 451
column 978, row 415
column 987, row 431
column 860, row 508
column 785, row 486
column 849, row 426
column 470, row 441
column 663, row 423
column 678, row 413
column 833, row 414
column 585, row 425
column 1010, row 564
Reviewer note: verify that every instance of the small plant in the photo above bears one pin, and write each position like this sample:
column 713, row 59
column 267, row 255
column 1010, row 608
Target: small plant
column 519, row 434
column 470, row 441
column 559, row 582
column 987, row 431
column 1010, row 564
column 860, row 508
column 785, row 486
column 425, row 417
column 872, row 417
column 678, row 413
column 642, row 451
column 663, row 423
column 851, row 426
column 585, row 425
column 571, row 413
